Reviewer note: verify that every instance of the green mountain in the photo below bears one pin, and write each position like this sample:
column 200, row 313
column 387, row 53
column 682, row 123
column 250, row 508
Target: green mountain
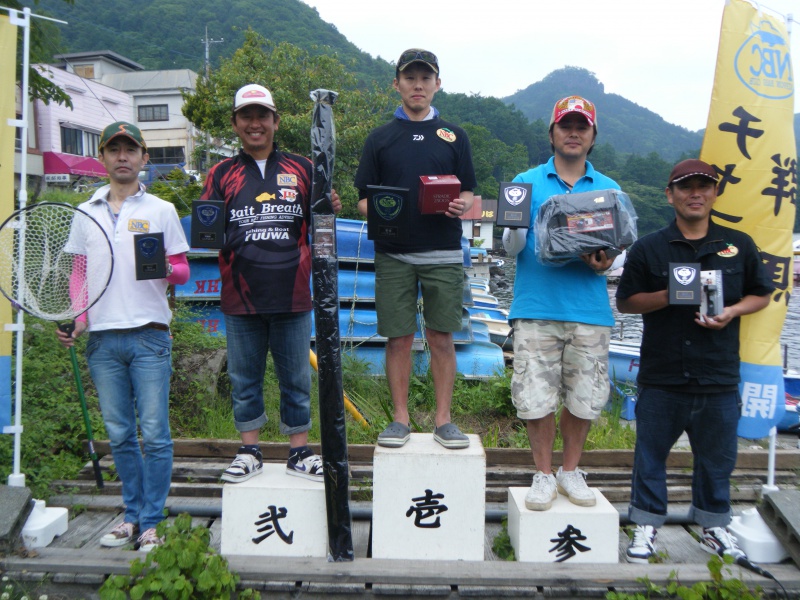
column 628, row 127
column 168, row 34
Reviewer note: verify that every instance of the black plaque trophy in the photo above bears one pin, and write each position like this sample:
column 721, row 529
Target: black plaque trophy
column 208, row 224
column 514, row 205
column 150, row 255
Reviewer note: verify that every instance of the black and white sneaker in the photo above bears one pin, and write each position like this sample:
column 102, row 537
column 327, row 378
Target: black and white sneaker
column 305, row 464
column 718, row 540
column 643, row 544
column 246, row 464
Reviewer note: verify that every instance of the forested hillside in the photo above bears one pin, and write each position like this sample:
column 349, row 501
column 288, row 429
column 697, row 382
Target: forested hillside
column 635, row 146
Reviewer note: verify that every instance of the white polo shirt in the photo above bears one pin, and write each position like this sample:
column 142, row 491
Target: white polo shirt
column 128, row 303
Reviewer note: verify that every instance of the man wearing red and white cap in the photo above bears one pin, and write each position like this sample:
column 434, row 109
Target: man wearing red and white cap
column 265, row 268
column 561, row 316
column 689, row 368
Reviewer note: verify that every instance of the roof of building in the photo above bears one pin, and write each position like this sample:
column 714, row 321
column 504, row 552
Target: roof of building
column 107, row 54
column 138, row 81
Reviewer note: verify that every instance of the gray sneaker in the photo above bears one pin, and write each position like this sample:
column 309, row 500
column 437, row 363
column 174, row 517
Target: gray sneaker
column 395, row 435
column 542, row 492
column 450, row 436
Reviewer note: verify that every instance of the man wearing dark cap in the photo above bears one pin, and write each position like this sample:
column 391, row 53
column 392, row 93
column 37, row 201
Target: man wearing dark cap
column 129, row 351
column 561, row 316
column 265, row 267
column 416, row 142
column 689, row 369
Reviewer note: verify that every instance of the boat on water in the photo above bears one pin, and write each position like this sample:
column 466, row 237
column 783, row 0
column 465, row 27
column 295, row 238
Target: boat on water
column 477, row 357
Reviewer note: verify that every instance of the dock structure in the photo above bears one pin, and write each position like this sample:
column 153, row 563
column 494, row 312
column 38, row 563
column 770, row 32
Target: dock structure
column 75, row 565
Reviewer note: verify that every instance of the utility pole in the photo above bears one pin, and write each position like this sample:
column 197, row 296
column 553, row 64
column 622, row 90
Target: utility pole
column 207, row 42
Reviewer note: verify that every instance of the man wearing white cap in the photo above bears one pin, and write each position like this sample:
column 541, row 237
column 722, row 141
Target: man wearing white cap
column 561, row 316
column 265, row 267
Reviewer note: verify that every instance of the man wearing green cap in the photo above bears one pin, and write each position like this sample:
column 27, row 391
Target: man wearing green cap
column 130, row 349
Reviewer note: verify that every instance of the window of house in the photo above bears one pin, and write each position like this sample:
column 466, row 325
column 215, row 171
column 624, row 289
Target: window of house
column 153, row 112
column 85, row 71
column 166, row 155
column 71, row 141
column 18, row 136
column 92, row 142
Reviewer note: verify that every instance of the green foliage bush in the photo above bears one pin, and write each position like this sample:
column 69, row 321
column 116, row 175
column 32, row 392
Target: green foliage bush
column 185, row 567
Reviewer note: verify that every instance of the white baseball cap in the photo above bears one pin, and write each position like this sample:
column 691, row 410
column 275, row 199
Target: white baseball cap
column 253, row 94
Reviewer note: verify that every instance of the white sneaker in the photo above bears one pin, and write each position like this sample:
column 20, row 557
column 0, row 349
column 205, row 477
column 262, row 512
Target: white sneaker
column 243, row 467
column 542, row 492
column 573, row 484
column 643, row 544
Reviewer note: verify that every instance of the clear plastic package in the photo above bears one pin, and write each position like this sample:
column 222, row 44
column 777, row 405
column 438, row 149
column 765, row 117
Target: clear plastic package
column 569, row 225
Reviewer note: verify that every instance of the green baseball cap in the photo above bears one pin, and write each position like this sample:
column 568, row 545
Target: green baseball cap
column 122, row 128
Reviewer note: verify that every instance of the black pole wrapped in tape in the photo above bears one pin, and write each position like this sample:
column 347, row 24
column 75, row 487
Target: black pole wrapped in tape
column 325, row 275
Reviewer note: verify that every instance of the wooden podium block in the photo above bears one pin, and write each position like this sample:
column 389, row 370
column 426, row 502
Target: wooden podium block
column 566, row 533
column 429, row 502
column 274, row 514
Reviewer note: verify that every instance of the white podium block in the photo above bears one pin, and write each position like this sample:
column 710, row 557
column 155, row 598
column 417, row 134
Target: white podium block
column 274, row 514
column 428, row 502
column 566, row 533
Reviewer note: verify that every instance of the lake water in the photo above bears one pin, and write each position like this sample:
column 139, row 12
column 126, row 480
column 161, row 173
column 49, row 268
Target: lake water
column 629, row 327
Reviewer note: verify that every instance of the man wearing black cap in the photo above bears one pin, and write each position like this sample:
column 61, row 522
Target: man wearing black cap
column 417, row 143
column 689, row 370
column 265, row 267
column 130, row 349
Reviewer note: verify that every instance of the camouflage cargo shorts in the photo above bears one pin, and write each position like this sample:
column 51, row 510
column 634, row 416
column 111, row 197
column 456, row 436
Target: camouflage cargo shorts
column 559, row 360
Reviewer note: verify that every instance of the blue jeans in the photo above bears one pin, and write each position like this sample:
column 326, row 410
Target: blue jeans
column 710, row 420
column 131, row 372
column 288, row 337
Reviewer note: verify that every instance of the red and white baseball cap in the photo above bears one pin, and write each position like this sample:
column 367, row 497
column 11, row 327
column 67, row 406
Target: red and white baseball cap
column 574, row 104
column 253, row 94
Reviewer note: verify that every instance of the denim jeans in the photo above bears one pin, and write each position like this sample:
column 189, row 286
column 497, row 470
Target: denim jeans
column 710, row 420
column 131, row 372
column 288, row 337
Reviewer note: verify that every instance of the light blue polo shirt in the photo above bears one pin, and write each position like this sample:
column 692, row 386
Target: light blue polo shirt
column 572, row 292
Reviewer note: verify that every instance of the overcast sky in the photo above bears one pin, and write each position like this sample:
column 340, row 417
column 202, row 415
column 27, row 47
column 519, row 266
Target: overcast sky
column 658, row 54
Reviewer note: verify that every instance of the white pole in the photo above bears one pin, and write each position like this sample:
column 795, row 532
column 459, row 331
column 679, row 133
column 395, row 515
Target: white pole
column 16, row 478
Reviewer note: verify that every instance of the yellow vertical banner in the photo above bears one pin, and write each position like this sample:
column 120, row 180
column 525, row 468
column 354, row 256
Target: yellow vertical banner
column 8, row 61
column 750, row 141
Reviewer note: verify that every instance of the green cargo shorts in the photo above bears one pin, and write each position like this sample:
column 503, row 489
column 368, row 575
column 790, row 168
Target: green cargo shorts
column 397, row 289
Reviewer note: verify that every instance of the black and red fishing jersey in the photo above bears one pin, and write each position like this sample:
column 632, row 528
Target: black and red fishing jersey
column 265, row 264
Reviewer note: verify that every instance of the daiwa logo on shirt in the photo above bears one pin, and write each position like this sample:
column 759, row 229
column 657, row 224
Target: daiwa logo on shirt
column 286, row 179
column 763, row 63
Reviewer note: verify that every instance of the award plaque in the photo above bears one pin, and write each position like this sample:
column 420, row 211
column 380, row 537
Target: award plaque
column 388, row 213
column 685, row 283
column 514, row 205
column 208, row 224
column 436, row 192
column 150, row 255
